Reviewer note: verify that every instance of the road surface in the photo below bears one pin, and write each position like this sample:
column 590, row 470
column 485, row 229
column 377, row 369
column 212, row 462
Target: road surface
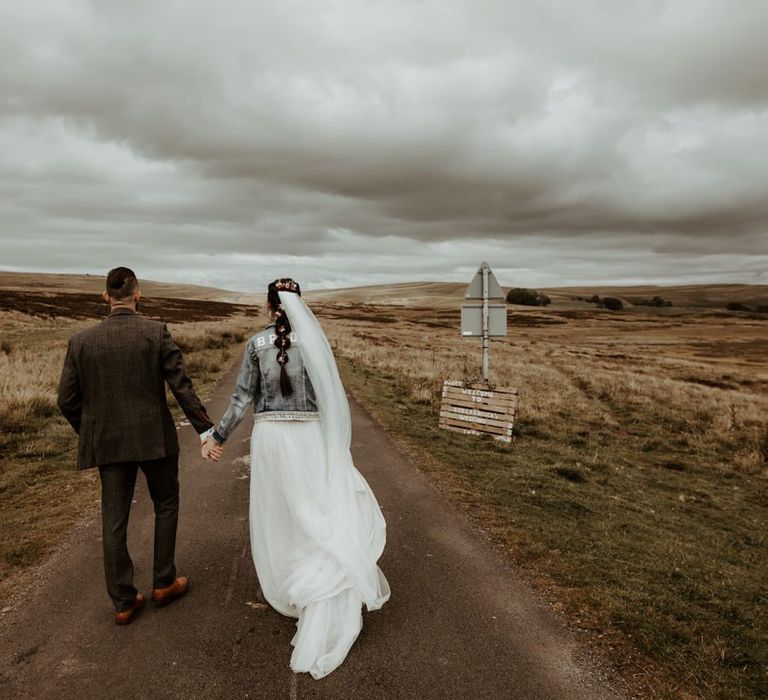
column 460, row 624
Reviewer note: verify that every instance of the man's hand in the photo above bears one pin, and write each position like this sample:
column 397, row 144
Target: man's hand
column 212, row 450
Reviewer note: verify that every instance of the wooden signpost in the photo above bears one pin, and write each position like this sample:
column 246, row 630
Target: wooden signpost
column 478, row 408
column 475, row 409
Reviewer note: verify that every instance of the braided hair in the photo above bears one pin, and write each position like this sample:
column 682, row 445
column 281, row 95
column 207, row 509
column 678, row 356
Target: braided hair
column 282, row 327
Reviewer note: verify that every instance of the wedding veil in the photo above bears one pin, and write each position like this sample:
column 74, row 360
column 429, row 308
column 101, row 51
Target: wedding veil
column 359, row 534
column 324, row 375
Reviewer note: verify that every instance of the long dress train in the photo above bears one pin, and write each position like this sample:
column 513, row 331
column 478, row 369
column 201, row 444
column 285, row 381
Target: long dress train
column 316, row 535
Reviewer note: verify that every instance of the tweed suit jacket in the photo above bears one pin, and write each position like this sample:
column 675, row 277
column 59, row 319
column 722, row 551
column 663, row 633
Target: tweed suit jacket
column 112, row 391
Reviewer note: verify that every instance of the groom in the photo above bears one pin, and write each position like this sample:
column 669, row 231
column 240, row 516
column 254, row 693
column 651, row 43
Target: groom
column 112, row 391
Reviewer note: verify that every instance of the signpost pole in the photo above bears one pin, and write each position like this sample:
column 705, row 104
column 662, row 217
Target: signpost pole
column 473, row 407
column 486, row 270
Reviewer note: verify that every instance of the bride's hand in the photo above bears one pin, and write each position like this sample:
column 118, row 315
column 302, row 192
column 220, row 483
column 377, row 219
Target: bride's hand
column 212, row 450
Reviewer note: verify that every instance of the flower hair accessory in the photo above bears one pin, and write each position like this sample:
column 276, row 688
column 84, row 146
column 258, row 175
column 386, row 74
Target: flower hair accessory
column 286, row 286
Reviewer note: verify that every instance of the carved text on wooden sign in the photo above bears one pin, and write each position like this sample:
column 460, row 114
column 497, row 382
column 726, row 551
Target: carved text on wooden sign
column 476, row 409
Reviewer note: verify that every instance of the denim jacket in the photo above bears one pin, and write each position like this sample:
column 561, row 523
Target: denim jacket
column 259, row 381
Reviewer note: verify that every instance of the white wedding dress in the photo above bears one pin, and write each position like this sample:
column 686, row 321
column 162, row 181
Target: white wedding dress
column 317, row 531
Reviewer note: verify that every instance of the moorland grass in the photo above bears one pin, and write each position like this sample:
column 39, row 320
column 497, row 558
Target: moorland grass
column 636, row 497
column 41, row 493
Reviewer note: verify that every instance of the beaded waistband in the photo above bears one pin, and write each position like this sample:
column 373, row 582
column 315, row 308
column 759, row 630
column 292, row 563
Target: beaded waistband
column 286, row 415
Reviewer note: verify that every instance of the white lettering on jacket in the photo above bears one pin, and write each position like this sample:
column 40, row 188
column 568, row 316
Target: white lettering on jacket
column 261, row 340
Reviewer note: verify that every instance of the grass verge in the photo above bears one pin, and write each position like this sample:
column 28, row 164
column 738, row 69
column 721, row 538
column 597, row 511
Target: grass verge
column 656, row 557
column 42, row 494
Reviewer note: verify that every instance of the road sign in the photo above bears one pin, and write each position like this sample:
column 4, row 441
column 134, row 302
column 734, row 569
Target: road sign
column 475, row 289
column 484, row 286
column 472, row 320
column 478, row 408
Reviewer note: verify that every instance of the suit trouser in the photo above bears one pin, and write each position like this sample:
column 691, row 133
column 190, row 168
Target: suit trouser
column 117, row 484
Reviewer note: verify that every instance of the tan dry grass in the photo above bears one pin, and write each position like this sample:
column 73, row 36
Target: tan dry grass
column 41, row 493
column 94, row 284
column 637, row 485
column 446, row 295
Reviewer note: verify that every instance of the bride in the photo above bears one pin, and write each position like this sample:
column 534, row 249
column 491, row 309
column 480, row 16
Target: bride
column 316, row 528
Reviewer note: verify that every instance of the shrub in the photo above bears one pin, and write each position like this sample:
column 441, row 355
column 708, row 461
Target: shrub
column 736, row 306
column 653, row 301
column 6, row 347
column 612, row 303
column 527, row 297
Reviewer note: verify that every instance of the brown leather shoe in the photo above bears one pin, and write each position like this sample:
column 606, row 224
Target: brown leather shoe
column 162, row 596
column 125, row 617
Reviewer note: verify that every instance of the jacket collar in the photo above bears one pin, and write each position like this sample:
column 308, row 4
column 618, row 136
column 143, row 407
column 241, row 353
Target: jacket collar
column 121, row 311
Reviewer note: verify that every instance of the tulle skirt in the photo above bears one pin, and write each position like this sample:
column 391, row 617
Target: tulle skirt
column 316, row 535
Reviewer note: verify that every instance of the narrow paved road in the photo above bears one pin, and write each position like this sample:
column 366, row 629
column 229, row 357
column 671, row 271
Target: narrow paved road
column 459, row 624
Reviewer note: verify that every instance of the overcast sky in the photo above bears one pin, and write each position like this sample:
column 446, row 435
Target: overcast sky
column 349, row 142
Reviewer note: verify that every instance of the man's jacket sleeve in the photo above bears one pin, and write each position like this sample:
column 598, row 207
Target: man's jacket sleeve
column 70, row 399
column 245, row 392
column 175, row 374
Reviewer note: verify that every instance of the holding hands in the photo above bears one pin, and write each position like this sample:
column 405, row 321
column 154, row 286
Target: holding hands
column 211, row 448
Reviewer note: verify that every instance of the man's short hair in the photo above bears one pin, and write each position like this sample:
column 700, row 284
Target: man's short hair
column 121, row 283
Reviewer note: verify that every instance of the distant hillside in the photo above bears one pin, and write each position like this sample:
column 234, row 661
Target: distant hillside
column 429, row 294
column 443, row 294
column 94, row 284
column 438, row 294
column 697, row 295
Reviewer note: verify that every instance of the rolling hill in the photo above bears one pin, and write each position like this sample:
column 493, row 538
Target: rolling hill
column 445, row 294
column 94, row 284
column 422, row 294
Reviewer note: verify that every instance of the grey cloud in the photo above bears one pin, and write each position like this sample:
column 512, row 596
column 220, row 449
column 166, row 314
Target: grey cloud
column 580, row 130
